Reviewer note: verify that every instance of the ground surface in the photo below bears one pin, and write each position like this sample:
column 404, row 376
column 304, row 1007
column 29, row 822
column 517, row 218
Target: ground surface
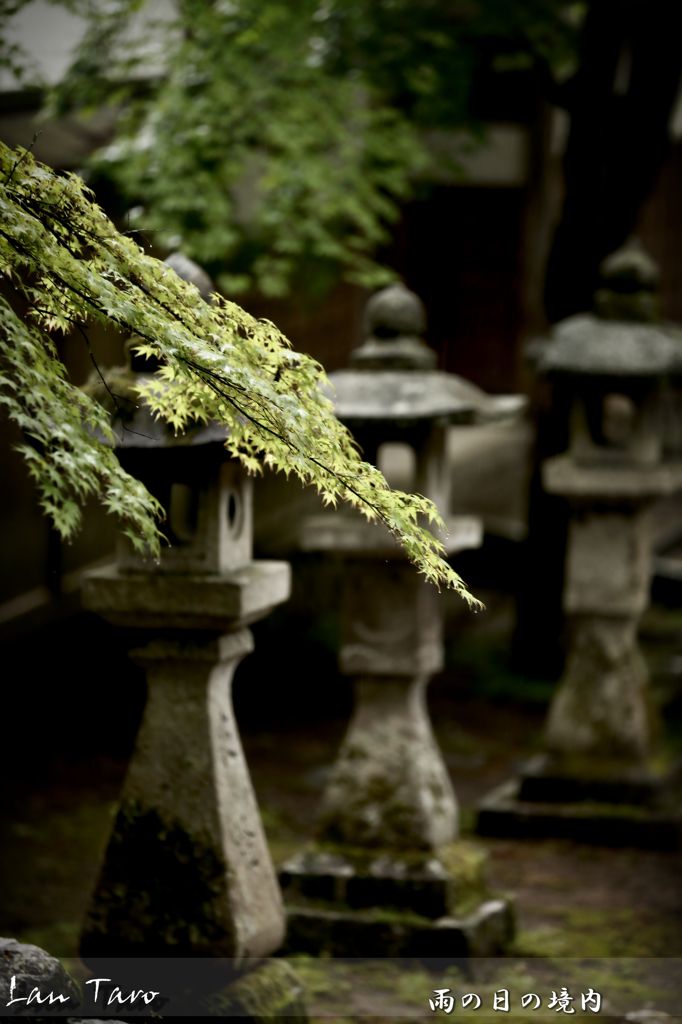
column 571, row 900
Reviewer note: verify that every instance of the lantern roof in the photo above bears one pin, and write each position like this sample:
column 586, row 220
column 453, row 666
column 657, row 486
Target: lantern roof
column 624, row 336
column 144, row 430
column 393, row 376
column 401, row 396
column 588, row 344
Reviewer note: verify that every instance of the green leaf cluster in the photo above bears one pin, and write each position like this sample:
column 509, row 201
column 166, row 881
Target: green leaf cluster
column 72, row 267
column 274, row 140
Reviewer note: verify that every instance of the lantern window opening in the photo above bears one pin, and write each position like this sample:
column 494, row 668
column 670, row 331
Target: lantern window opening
column 183, row 512
column 397, row 462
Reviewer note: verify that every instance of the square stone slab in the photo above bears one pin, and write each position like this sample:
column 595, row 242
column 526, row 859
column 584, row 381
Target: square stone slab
column 503, row 813
column 361, row 902
column 187, row 601
column 421, row 882
column 547, row 778
column 486, row 931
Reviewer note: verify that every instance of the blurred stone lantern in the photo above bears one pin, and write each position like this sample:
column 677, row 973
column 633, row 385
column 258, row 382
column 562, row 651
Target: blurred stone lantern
column 614, row 366
column 187, row 870
column 388, row 823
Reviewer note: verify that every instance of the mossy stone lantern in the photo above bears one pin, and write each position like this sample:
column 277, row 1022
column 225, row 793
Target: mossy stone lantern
column 388, row 824
column 613, row 366
column 187, row 870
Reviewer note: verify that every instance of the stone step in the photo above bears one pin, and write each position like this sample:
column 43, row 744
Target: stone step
column 546, row 779
column 429, row 884
column 485, row 931
column 503, row 813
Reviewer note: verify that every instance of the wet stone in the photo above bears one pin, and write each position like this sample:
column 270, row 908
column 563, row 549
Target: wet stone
column 484, row 931
column 271, row 992
column 32, row 967
column 550, row 779
column 385, row 870
column 603, row 777
column 188, row 869
column 157, row 882
column 423, row 883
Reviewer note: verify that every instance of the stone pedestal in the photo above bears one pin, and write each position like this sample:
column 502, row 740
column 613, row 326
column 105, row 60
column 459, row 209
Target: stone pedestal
column 353, row 901
column 187, row 870
column 389, row 786
column 388, row 875
column 601, row 708
column 604, row 805
column 603, row 777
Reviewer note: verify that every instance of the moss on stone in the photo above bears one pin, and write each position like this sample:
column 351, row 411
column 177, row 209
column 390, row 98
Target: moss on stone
column 408, row 895
column 461, row 858
column 581, row 766
column 159, row 881
column 269, row 993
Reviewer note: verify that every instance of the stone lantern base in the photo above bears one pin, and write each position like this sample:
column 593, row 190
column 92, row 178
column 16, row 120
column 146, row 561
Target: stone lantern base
column 605, row 777
column 187, row 870
column 387, row 877
column 606, row 804
column 343, row 901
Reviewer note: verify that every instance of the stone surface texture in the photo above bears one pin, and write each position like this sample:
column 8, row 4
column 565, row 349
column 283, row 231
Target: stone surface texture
column 622, row 483
column 601, row 706
column 209, row 503
column 613, row 470
column 31, row 966
column 390, row 791
column 187, row 870
column 166, row 601
column 601, row 725
column 187, row 865
column 608, row 563
column 419, row 394
column 589, row 344
column 391, row 621
column 352, row 533
column 430, row 884
column 485, row 931
column 503, row 813
column 350, row 901
column 390, row 787
column 269, row 992
column 394, row 320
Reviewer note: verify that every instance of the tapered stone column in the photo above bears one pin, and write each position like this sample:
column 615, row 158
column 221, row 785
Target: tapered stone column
column 390, row 786
column 187, row 868
column 601, row 709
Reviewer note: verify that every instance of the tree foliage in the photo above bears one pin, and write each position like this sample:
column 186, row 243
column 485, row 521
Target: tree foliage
column 64, row 257
column 274, row 141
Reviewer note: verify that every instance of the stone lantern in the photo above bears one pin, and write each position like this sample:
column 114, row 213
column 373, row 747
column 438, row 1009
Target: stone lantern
column 187, row 871
column 388, row 824
column 601, row 754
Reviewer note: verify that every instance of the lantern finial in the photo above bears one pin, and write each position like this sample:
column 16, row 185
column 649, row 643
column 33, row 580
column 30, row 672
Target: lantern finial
column 394, row 320
column 629, row 290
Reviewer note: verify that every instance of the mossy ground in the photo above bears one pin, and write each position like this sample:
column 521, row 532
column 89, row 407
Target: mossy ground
column 572, row 901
